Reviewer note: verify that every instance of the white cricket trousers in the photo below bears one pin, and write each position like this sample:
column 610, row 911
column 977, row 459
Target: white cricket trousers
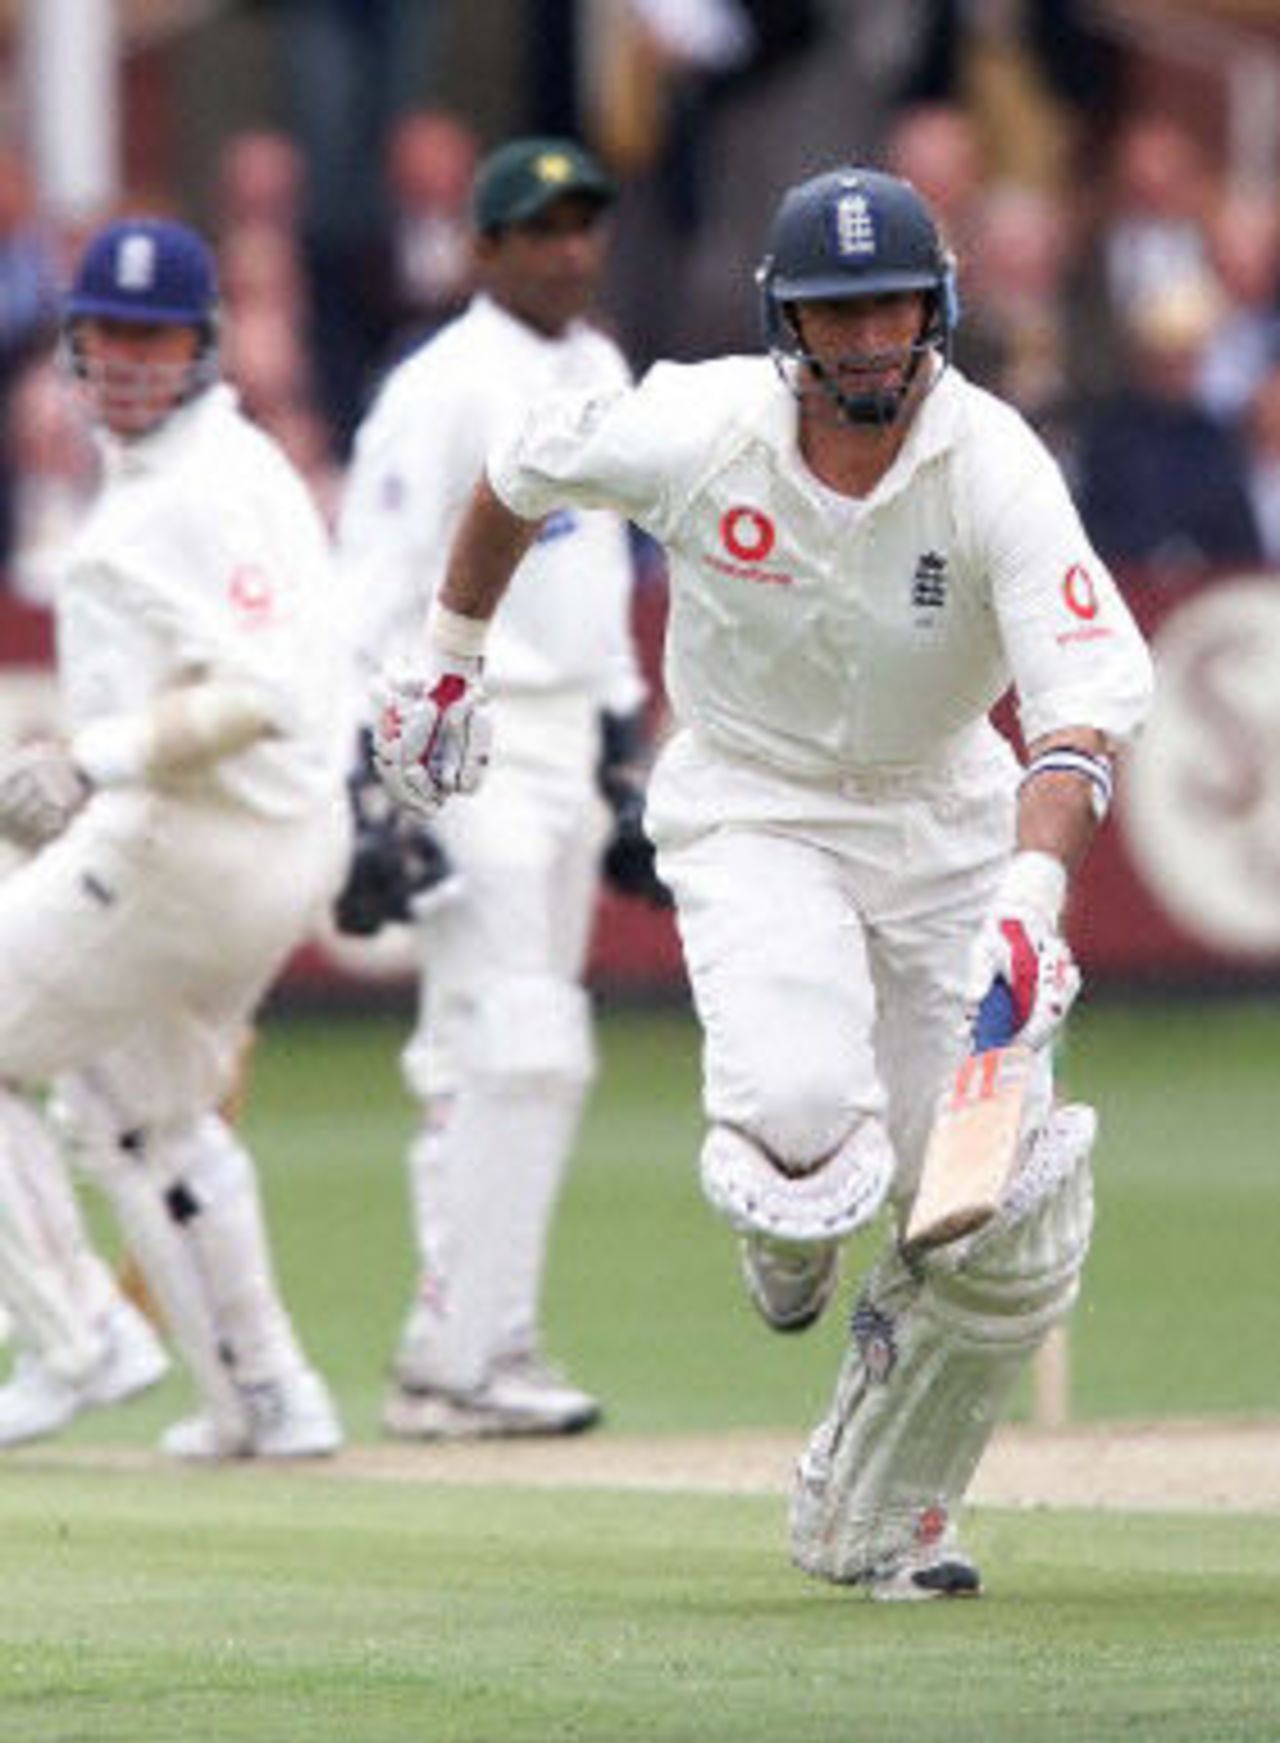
column 503, row 1053
column 826, row 929
column 141, row 940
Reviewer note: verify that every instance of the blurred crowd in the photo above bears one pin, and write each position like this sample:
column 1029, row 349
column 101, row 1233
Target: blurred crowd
column 1118, row 283
column 1134, row 318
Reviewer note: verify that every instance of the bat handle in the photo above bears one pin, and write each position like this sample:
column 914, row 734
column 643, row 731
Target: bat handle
column 997, row 1021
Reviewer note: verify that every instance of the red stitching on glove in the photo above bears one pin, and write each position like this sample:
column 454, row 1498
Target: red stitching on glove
column 450, row 689
column 1024, row 969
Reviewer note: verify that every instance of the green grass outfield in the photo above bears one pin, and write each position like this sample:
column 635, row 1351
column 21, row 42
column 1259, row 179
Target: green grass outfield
column 251, row 1605
column 262, row 1607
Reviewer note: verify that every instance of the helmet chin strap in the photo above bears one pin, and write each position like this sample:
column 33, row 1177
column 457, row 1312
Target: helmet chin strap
column 878, row 409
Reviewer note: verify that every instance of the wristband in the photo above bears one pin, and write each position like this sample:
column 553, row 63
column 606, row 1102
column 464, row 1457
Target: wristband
column 1066, row 760
column 455, row 636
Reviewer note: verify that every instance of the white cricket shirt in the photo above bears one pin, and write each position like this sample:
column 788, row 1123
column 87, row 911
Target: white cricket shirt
column 820, row 640
column 204, row 556
column 565, row 624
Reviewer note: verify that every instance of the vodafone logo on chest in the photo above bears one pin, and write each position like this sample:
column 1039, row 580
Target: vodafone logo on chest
column 747, row 538
column 251, row 595
column 747, row 534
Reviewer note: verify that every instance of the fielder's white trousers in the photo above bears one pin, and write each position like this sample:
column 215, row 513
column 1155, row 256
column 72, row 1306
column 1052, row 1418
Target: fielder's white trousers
column 503, row 1052
column 527, row 846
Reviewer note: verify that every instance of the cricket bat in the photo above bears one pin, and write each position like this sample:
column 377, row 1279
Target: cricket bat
column 974, row 1141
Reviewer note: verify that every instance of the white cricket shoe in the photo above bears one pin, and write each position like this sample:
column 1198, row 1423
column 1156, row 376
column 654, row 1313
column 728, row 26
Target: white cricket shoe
column 37, row 1403
column 523, row 1395
column 789, row 1284
column 285, row 1419
column 940, row 1571
column 135, row 1360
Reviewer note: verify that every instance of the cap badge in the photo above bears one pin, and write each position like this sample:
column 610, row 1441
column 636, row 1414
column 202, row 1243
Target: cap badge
column 136, row 263
column 855, row 230
column 553, row 166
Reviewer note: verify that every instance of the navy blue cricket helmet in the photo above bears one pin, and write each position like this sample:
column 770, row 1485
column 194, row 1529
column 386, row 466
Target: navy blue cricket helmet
column 146, row 270
column 854, row 232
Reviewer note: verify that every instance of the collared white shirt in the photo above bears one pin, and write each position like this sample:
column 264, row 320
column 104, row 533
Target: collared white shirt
column 565, row 624
column 821, row 641
column 204, row 556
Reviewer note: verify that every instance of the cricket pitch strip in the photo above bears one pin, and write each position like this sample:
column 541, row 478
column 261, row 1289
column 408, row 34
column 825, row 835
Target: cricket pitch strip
column 1220, row 1465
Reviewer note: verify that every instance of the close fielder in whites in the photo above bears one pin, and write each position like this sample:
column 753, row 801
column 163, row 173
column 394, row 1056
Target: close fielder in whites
column 184, row 839
column 503, row 1053
column 865, row 549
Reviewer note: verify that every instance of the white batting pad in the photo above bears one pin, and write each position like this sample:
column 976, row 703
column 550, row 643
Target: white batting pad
column 1049, row 1155
column 137, row 1171
column 485, row 1185
column 231, row 1249
column 840, row 1195
column 162, row 1250
column 934, row 1356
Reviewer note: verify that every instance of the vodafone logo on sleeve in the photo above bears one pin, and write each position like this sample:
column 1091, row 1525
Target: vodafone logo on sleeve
column 1079, row 592
column 1080, row 596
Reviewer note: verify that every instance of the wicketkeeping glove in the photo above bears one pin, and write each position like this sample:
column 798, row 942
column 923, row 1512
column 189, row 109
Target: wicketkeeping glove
column 628, row 860
column 1020, row 944
column 433, row 735
column 397, row 865
column 41, row 790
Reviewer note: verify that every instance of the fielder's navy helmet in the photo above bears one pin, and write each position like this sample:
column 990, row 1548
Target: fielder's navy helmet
column 148, row 270
column 854, row 232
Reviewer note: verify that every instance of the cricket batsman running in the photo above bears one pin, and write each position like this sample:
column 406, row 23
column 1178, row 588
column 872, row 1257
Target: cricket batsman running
column 865, row 550
column 183, row 839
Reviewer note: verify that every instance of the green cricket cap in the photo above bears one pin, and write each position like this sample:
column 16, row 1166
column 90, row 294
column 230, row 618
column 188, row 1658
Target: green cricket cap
column 523, row 177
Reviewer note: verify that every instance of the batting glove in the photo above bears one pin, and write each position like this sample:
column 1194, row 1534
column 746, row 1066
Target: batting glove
column 1020, row 944
column 41, row 790
column 433, row 735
